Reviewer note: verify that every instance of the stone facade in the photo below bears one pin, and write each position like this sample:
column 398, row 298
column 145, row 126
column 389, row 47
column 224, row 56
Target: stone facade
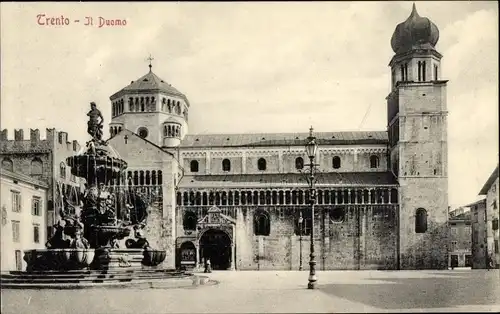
column 23, row 206
column 479, row 232
column 490, row 190
column 460, row 236
column 43, row 159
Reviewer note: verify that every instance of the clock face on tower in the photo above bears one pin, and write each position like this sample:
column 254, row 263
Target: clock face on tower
column 143, row 132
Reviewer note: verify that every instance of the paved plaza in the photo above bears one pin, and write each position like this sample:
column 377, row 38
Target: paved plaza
column 281, row 291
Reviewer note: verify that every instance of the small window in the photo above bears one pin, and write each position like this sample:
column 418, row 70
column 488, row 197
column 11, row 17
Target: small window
column 36, row 233
column 194, row 166
column 261, row 164
column 226, row 165
column 299, row 163
column 421, row 221
column 336, row 162
column 62, row 170
column 374, row 162
column 16, row 235
column 262, row 225
column 143, row 132
column 16, row 201
column 35, row 209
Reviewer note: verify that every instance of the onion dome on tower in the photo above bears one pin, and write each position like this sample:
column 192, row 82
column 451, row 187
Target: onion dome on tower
column 415, row 33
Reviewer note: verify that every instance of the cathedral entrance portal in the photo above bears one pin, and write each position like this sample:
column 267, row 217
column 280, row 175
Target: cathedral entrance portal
column 216, row 245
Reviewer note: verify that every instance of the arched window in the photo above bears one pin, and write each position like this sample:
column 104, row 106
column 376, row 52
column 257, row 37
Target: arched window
column 36, row 167
column 178, row 108
column 261, row 164
column 136, row 178
column 299, row 163
column 374, row 161
column 130, row 104
column 336, row 162
column 262, row 224
column 7, row 164
column 141, row 177
column 226, row 165
column 190, row 220
column 337, row 214
column 420, row 220
column 194, row 166
column 62, row 170
column 160, row 177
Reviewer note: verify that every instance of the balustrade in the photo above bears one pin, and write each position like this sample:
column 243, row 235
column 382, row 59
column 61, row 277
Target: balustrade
column 256, row 197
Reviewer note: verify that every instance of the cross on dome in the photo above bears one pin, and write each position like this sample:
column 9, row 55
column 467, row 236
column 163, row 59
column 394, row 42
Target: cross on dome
column 150, row 59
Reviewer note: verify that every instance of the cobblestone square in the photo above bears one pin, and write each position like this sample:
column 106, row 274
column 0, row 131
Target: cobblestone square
column 282, row 292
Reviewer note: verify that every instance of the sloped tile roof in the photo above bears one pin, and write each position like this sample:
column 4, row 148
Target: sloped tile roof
column 287, row 179
column 149, row 82
column 283, row 139
column 487, row 185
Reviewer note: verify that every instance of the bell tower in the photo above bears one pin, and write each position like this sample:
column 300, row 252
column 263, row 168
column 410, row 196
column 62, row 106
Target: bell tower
column 417, row 128
column 152, row 109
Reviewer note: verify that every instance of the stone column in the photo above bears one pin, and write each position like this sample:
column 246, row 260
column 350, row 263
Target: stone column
column 244, row 162
column 207, row 163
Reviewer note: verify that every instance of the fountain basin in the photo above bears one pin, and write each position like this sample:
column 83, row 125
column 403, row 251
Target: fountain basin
column 105, row 234
column 58, row 259
column 153, row 257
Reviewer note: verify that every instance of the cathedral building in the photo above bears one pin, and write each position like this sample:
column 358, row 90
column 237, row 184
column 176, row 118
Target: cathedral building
column 241, row 199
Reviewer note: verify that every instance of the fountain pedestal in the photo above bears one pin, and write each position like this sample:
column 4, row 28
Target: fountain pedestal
column 118, row 259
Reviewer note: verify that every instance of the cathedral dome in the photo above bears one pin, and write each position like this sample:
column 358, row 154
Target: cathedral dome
column 415, row 32
column 149, row 83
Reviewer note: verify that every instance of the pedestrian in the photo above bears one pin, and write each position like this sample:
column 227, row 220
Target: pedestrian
column 208, row 268
column 490, row 262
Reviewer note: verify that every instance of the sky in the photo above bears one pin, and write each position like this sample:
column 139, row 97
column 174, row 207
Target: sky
column 253, row 67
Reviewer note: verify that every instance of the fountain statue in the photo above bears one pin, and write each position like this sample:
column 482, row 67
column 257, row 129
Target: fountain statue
column 91, row 237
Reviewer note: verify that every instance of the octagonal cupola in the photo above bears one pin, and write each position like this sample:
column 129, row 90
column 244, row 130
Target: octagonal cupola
column 146, row 106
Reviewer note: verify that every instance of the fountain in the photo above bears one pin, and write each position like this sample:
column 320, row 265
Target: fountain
column 88, row 241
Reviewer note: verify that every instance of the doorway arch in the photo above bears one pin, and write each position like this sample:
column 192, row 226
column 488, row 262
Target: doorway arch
column 216, row 245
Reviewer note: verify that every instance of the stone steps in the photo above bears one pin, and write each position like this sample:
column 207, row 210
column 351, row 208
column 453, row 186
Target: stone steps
column 88, row 279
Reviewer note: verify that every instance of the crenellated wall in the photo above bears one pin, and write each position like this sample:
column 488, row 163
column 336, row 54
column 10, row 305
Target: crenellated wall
column 43, row 159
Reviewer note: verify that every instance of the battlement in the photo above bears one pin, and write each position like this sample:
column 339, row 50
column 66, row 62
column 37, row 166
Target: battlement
column 53, row 140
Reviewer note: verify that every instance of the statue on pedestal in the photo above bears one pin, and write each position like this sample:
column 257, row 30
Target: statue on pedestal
column 94, row 125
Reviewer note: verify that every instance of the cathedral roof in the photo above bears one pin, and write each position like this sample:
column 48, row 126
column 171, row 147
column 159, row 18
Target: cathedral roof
column 415, row 32
column 149, row 83
column 283, row 139
column 344, row 179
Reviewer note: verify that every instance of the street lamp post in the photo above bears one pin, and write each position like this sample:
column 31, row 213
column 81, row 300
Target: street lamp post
column 300, row 240
column 311, row 149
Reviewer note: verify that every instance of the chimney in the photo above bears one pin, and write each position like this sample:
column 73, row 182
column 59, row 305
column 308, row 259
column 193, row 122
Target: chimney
column 4, row 134
column 76, row 147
